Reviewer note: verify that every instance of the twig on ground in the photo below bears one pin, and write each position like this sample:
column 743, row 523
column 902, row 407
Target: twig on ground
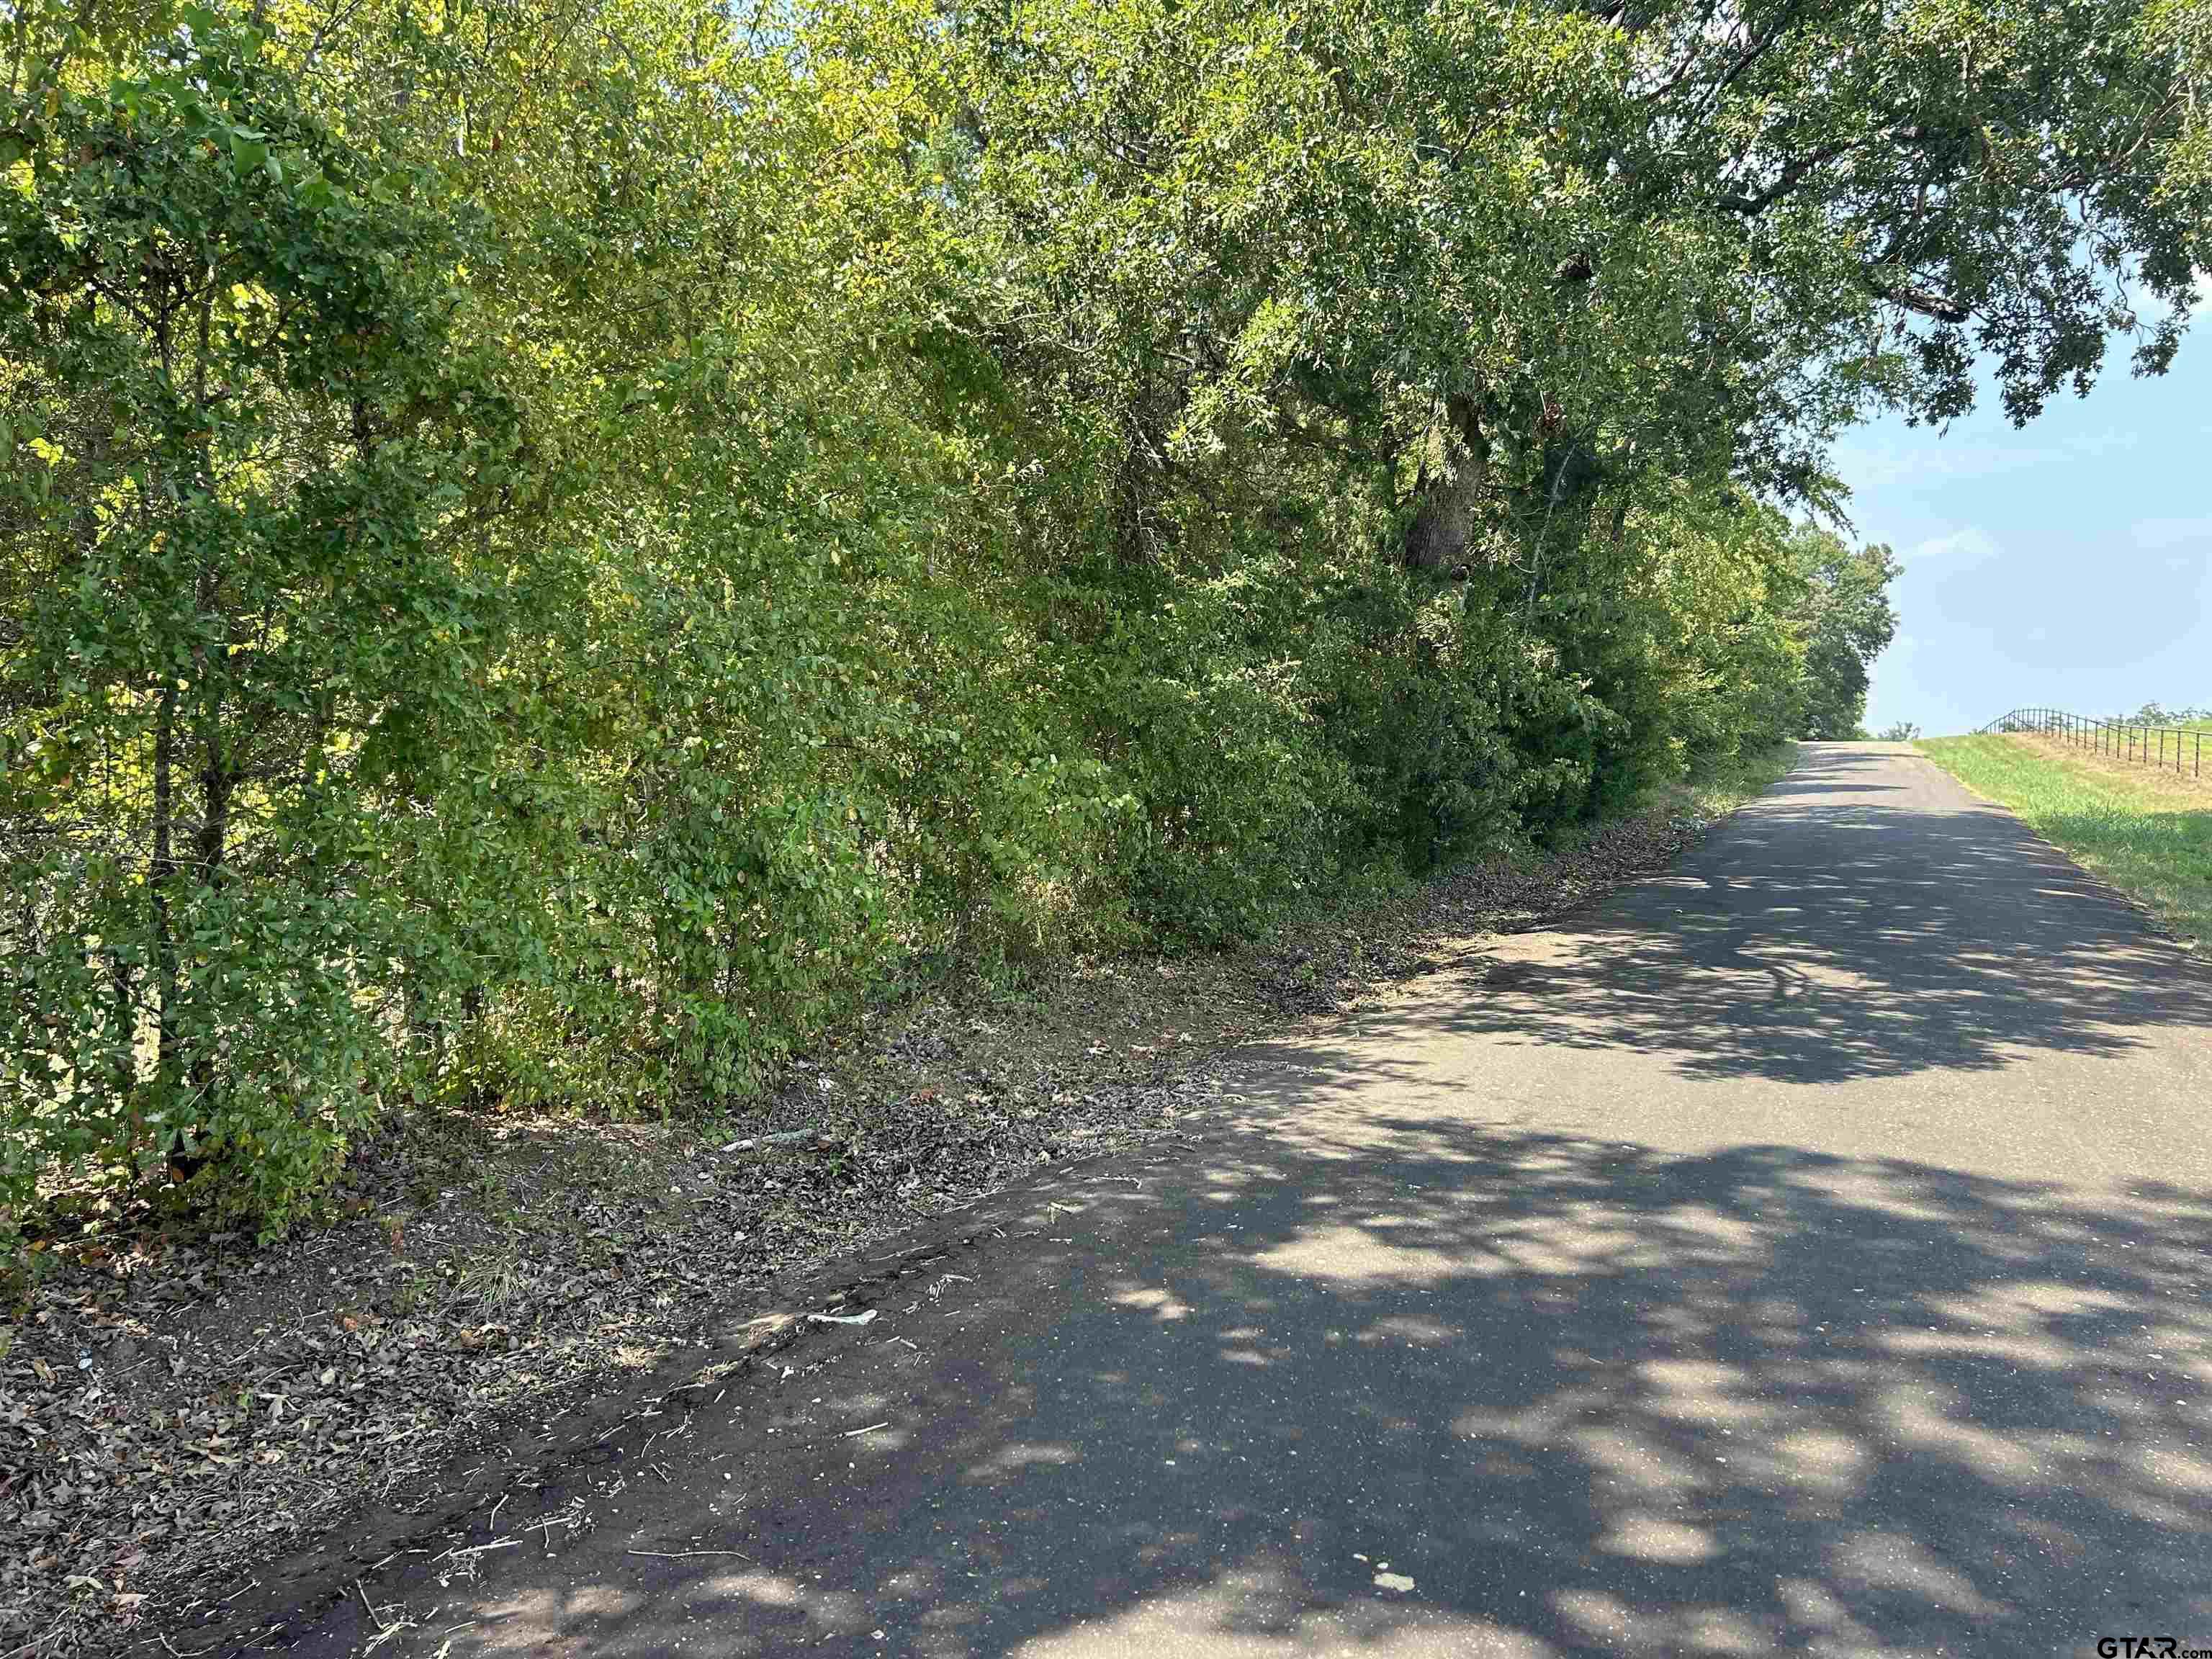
column 480, row 1549
column 384, row 1632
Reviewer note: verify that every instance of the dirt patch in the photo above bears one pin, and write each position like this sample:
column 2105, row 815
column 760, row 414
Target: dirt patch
column 174, row 1409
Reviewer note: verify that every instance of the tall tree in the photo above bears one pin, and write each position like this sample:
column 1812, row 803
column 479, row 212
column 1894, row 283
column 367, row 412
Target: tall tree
column 1847, row 621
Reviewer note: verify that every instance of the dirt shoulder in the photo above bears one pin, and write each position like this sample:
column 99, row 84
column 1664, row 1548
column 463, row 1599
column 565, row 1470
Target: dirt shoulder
column 177, row 1410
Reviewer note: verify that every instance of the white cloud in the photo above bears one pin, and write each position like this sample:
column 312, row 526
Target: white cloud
column 1969, row 545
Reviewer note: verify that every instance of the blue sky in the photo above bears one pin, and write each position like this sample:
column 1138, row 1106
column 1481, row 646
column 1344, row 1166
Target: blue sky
column 2067, row 563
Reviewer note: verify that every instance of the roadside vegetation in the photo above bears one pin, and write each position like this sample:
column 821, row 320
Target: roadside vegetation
column 2148, row 832
column 554, row 554
column 481, row 1270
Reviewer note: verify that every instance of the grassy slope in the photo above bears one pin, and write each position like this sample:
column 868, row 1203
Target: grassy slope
column 2147, row 833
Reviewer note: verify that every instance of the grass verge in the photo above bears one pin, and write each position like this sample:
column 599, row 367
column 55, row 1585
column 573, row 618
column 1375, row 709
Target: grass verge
column 1719, row 788
column 2148, row 833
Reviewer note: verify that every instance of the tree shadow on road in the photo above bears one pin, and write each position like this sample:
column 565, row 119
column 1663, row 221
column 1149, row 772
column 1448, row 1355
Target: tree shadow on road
column 1586, row 1397
column 1367, row 1376
column 1811, row 942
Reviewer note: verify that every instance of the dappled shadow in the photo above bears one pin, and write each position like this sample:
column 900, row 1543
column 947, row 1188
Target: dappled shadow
column 1472, row 1392
column 1537, row 1311
column 2163, row 851
column 1824, row 935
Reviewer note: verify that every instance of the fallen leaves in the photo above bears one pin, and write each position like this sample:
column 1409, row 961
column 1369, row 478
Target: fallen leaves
column 170, row 1417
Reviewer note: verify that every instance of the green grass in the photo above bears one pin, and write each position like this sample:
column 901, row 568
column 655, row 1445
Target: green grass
column 2147, row 833
column 1715, row 787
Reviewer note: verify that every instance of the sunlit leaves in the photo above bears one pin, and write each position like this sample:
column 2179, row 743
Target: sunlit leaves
column 553, row 549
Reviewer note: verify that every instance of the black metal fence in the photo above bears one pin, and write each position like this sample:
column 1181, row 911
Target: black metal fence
column 2181, row 747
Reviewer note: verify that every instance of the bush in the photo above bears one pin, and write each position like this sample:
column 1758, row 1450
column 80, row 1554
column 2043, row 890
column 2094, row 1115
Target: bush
column 567, row 612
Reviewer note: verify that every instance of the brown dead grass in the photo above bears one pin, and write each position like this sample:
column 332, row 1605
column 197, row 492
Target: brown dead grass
column 2152, row 783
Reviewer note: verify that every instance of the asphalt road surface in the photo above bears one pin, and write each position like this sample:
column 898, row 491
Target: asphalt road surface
column 1804, row 1251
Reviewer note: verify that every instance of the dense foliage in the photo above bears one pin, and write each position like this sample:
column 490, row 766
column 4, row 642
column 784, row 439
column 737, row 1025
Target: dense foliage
column 1845, row 607
column 549, row 548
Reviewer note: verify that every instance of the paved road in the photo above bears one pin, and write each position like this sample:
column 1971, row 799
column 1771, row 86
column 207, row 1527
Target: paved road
column 1806, row 1250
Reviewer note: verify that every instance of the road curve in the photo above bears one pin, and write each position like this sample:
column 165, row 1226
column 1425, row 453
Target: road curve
column 1805, row 1250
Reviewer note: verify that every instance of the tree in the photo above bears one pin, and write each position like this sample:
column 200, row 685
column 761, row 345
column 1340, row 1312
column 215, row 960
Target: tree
column 552, row 548
column 252, row 454
column 1929, row 184
column 1848, row 621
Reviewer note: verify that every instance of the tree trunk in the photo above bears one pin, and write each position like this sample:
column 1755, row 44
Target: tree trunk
column 1450, row 504
column 217, row 781
column 161, row 880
